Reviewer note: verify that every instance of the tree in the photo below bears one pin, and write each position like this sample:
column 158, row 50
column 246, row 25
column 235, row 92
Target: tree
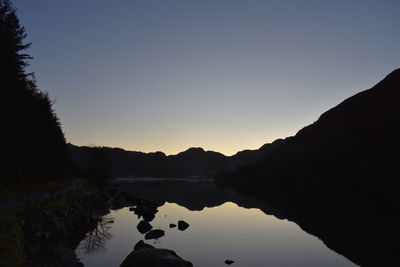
column 31, row 140
column 12, row 35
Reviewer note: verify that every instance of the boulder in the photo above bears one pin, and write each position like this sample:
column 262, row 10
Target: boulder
column 229, row 262
column 143, row 227
column 154, row 234
column 182, row 225
column 172, row 225
column 147, row 256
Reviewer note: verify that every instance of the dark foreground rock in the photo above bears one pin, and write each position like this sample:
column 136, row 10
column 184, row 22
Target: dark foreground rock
column 182, row 225
column 141, row 244
column 154, row 234
column 145, row 255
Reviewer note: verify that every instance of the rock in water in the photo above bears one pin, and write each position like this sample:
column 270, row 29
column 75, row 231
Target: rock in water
column 182, row 225
column 229, row 262
column 172, row 225
column 143, row 227
column 145, row 209
column 154, row 234
column 146, row 256
column 149, row 216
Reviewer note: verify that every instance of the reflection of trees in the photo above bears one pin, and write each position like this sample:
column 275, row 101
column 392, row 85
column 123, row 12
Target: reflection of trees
column 96, row 239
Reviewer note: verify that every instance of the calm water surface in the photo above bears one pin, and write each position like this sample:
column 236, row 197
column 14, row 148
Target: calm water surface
column 247, row 236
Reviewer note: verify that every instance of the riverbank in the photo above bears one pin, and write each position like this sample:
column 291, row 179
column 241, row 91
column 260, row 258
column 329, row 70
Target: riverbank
column 46, row 231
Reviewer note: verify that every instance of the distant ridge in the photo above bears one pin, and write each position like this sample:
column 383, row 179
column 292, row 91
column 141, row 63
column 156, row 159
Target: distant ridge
column 193, row 162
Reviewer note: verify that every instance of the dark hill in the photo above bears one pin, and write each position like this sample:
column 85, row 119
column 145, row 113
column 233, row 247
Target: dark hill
column 356, row 141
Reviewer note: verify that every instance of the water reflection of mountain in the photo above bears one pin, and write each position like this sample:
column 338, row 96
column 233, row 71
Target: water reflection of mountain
column 193, row 194
column 367, row 241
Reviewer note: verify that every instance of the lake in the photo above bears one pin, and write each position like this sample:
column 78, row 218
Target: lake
column 223, row 225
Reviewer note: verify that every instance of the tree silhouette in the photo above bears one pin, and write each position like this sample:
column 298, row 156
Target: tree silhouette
column 12, row 36
column 31, row 140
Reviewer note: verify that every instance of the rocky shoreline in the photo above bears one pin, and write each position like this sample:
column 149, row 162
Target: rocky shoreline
column 52, row 237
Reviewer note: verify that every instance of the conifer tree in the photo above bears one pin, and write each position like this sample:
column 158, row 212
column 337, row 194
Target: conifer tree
column 32, row 144
column 12, row 35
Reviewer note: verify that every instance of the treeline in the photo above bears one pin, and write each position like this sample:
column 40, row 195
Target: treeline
column 32, row 142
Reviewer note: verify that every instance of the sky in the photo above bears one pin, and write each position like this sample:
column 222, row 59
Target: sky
column 225, row 75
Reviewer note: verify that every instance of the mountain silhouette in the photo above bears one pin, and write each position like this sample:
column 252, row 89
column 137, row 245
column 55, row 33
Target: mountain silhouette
column 354, row 142
column 194, row 162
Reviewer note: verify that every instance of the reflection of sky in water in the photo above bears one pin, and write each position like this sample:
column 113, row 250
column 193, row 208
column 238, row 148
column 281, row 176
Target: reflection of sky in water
column 247, row 236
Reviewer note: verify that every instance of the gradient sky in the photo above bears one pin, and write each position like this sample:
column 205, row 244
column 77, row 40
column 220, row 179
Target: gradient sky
column 224, row 75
